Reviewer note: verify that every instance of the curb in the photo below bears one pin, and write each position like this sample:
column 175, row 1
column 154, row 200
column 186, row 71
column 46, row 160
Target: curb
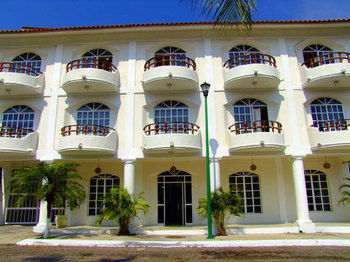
column 182, row 244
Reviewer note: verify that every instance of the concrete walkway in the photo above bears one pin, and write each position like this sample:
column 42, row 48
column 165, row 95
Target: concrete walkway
column 182, row 244
column 23, row 235
column 11, row 234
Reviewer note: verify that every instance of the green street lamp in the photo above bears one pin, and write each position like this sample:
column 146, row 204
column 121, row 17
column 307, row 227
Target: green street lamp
column 205, row 88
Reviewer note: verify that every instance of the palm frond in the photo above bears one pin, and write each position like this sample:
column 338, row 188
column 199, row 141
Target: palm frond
column 345, row 192
column 225, row 12
column 121, row 207
column 56, row 183
column 223, row 205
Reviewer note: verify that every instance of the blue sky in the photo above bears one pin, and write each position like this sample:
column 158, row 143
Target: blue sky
column 61, row 13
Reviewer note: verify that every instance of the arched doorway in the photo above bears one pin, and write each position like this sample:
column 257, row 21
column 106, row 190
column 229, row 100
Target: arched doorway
column 174, row 198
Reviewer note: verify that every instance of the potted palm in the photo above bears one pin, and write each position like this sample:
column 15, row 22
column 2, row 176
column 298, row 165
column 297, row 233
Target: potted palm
column 56, row 183
column 61, row 218
column 121, row 207
column 224, row 204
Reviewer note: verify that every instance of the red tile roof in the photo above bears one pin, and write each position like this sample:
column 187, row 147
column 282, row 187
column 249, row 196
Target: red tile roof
column 77, row 28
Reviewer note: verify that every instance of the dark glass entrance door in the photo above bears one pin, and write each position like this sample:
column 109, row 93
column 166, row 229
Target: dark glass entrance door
column 173, row 204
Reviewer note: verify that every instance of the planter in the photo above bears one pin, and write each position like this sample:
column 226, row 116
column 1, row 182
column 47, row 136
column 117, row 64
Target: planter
column 61, row 221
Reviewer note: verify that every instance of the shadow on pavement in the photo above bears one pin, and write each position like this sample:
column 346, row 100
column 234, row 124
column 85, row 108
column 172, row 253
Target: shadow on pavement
column 117, row 260
column 45, row 259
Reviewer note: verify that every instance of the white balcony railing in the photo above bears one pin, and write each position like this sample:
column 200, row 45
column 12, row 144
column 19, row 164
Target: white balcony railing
column 176, row 137
column 87, row 139
column 261, row 135
column 330, row 70
column 19, row 79
column 90, row 76
column 17, row 141
column 170, row 72
column 251, row 71
column 330, row 135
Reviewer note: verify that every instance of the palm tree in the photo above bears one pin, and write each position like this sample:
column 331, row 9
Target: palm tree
column 345, row 191
column 56, row 183
column 223, row 205
column 224, row 11
column 121, row 207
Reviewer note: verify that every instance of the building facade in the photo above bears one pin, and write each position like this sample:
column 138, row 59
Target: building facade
column 125, row 103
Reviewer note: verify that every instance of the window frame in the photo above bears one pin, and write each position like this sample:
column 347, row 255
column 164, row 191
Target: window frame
column 240, row 111
column 173, row 111
column 320, row 107
column 90, row 114
column 243, row 175
column 96, row 199
column 17, row 118
column 29, row 59
column 311, row 173
column 315, row 50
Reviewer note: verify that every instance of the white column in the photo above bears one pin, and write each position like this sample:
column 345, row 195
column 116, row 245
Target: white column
column 281, row 192
column 44, row 222
column 50, row 153
column 129, row 184
column 129, row 175
column 346, row 169
column 293, row 118
column 303, row 218
column 215, row 156
column 69, row 217
column 4, row 194
column 130, row 99
column 214, row 174
column 213, row 144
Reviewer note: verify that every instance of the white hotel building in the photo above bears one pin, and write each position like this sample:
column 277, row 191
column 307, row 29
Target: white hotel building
column 127, row 99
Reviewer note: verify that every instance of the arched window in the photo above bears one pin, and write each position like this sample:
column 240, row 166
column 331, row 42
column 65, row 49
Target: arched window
column 247, row 185
column 28, row 59
column 315, row 50
column 170, row 55
column 172, row 113
column 99, row 187
column 243, row 55
column 102, row 57
column 327, row 114
column 17, row 121
column 317, row 191
column 248, row 110
column 92, row 115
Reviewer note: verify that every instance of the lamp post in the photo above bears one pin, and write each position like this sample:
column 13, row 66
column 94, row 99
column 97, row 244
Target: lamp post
column 205, row 88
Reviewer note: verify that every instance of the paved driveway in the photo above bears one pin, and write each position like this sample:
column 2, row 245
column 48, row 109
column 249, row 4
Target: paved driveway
column 14, row 233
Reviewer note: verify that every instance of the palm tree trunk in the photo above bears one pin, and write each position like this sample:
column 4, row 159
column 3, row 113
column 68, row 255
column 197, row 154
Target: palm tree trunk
column 124, row 227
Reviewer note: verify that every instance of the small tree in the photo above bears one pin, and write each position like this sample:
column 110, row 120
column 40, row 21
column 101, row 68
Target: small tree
column 56, row 183
column 223, row 205
column 345, row 191
column 121, row 207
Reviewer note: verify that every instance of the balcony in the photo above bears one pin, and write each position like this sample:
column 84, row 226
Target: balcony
column 251, row 71
column 330, row 70
column 260, row 135
column 174, row 137
column 19, row 79
column 90, row 76
column 170, row 72
column 87, row 140
column 330, row 135
column 15, row 141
